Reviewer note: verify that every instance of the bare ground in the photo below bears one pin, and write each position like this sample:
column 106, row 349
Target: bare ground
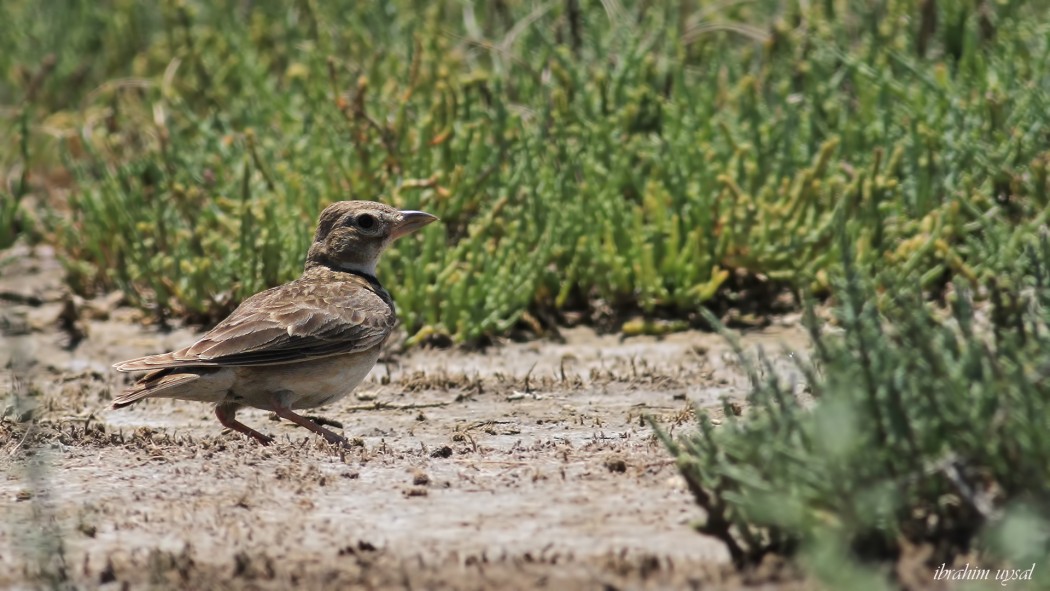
column 522, row 466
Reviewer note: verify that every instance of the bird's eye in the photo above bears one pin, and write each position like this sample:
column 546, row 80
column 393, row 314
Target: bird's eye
column 366, row 221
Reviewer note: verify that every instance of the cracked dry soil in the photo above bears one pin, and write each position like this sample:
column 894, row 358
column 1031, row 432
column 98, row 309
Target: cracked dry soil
column 523, row 466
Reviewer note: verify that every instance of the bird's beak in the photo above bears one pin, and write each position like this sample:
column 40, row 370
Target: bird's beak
column 412, row 221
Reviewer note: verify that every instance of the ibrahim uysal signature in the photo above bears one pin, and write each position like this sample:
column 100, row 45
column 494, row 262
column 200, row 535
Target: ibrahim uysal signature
column 1003, row 575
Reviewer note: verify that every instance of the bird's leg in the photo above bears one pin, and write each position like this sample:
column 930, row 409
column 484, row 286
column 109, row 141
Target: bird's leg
column 226, row 414
column 286, row 413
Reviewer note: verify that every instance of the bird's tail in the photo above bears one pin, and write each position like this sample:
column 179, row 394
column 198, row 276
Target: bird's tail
column 155, row 383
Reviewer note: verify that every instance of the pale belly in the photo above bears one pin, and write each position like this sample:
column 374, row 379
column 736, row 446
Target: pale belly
column 305, row 384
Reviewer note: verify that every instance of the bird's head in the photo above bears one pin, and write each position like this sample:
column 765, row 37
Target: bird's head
column 352, row 234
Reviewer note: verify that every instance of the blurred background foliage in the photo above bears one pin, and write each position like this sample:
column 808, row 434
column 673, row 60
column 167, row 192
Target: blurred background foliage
column 588, row 159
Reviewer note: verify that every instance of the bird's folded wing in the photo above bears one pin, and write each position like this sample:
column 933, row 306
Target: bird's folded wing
column 292, row 322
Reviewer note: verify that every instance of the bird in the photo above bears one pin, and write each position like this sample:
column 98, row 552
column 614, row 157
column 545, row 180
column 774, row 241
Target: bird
column 303, row 344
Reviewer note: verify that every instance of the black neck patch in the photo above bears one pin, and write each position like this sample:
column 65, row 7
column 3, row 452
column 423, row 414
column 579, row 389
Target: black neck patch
column 370, row 278
column 376, row 286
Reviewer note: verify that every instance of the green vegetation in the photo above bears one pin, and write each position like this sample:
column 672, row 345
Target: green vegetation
column 607, row 156
column 577, row 152
column 925, row 426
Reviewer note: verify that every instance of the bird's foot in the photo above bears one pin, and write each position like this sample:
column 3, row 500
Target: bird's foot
column 330, row 436
column 325, row 422
column 263, row 440
column 226, row 414
column 335, row 439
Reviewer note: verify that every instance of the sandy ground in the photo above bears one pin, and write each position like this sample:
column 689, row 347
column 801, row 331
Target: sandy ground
column 522, row 466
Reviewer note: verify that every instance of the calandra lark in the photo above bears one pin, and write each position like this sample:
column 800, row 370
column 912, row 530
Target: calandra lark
column 299, row 345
